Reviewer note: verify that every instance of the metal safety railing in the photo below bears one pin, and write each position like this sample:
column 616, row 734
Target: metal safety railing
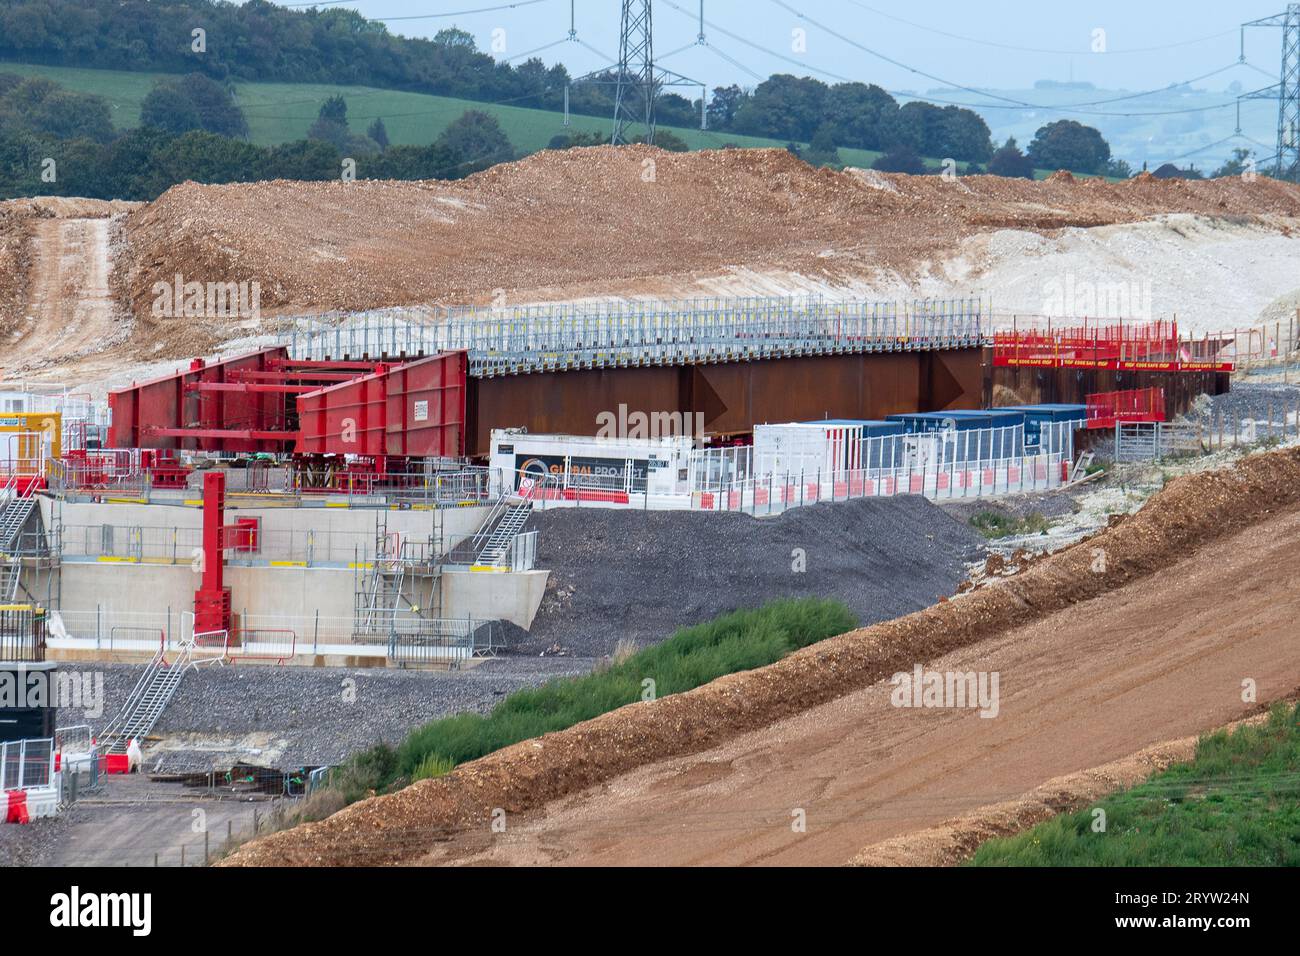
column 769, row 494
column 511, row 340
column 444, row 641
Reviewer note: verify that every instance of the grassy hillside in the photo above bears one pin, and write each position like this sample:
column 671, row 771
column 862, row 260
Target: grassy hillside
column 282, row 112
column 1236, row 804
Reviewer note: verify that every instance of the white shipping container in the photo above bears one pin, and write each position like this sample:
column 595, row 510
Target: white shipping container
column 807, row 448
column 657, row 465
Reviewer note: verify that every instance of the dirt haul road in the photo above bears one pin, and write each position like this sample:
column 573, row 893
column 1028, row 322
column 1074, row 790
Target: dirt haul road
column 67, row 310
column 1158, row 659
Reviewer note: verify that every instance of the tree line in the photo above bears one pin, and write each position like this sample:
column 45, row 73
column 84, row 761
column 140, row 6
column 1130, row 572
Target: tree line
column 258, row 40
column 55, row 142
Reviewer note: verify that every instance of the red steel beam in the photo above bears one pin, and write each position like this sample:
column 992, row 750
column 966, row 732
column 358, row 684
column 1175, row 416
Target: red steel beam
column 250, row 387
column 223, row 434
column 309, row 376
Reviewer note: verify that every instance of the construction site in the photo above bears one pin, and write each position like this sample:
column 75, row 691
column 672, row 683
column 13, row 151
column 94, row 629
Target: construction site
column 289, row 470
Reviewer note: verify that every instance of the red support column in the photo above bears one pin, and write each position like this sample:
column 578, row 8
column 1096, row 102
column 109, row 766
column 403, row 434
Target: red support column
column 212, row 600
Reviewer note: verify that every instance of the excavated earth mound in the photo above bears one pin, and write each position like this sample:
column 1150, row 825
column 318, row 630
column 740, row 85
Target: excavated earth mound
column 605, row 220
column 1188, row 512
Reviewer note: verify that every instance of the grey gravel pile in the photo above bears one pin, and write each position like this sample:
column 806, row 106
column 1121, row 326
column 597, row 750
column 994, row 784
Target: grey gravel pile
column 1261, row 403
column 1049, row 504
column 640, row 575
column 1245, row 401
column 304, row 713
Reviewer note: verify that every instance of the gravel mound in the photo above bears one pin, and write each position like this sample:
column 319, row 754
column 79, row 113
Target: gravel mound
column 639, row 575
column 290, row 717
column 1256, row 402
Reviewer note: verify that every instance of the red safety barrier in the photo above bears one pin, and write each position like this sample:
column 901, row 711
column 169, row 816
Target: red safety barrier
column 17, row 807
column 1149, row 346
column 117, row 763
column 596, row 494
column 1107, row 409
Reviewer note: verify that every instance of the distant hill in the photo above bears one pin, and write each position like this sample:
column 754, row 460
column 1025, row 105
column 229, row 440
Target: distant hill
column 1155, row 139
column 282, row 112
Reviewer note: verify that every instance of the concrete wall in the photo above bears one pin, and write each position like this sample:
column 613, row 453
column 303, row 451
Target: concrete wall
column 485, row 595
column 338, row 535
column 142, row 595
column 100, row 594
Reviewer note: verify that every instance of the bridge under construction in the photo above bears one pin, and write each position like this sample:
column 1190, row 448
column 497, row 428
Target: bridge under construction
column 422, row 382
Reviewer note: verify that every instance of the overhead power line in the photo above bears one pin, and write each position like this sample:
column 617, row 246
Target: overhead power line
column 1002, row 102
column 1032, row 49
column 1067, row 107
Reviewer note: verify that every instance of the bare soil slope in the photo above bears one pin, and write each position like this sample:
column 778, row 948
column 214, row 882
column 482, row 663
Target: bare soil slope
column 56, row 298
column 1134, row 654
column 616, row 221
column 1156, row 660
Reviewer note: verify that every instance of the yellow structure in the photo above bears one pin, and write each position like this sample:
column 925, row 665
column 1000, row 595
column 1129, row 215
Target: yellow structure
column 28, row 440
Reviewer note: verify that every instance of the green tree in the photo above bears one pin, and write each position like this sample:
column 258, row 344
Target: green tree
column 215, row 104
column 862, row 115
column 900, row 159
column 726, row 101
column 331, row 124
column 666, row 140
column 822, row 150
column 1009, row 161
column 379, row 133
column 783, row 107
column 572, row 140
column 1067, row 144
column 43, row 107
column 1240, row 161
column 474, row 142
column 166, row 107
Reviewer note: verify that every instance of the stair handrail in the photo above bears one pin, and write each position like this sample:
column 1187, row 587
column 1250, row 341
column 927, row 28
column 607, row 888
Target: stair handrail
column 115, row 726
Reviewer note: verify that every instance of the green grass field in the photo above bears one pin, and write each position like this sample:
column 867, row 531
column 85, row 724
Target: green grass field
column 1236, row 804
column 283, row 112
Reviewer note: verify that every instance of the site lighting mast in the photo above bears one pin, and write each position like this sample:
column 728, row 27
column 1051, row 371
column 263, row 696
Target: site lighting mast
column 1286, row 92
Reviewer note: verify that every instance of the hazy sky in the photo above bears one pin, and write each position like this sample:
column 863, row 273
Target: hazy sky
column 991, row 44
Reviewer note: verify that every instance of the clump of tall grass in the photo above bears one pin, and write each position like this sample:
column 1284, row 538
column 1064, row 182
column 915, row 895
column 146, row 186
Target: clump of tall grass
column 739, row 641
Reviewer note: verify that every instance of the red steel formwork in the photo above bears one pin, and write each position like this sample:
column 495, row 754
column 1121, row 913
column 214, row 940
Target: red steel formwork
column 416, row 410
column 209, row 408
column 267, row 402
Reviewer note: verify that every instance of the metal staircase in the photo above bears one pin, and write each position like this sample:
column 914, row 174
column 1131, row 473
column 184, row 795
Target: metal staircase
column 16, row 513
column 152, row 693
column 497, row 544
